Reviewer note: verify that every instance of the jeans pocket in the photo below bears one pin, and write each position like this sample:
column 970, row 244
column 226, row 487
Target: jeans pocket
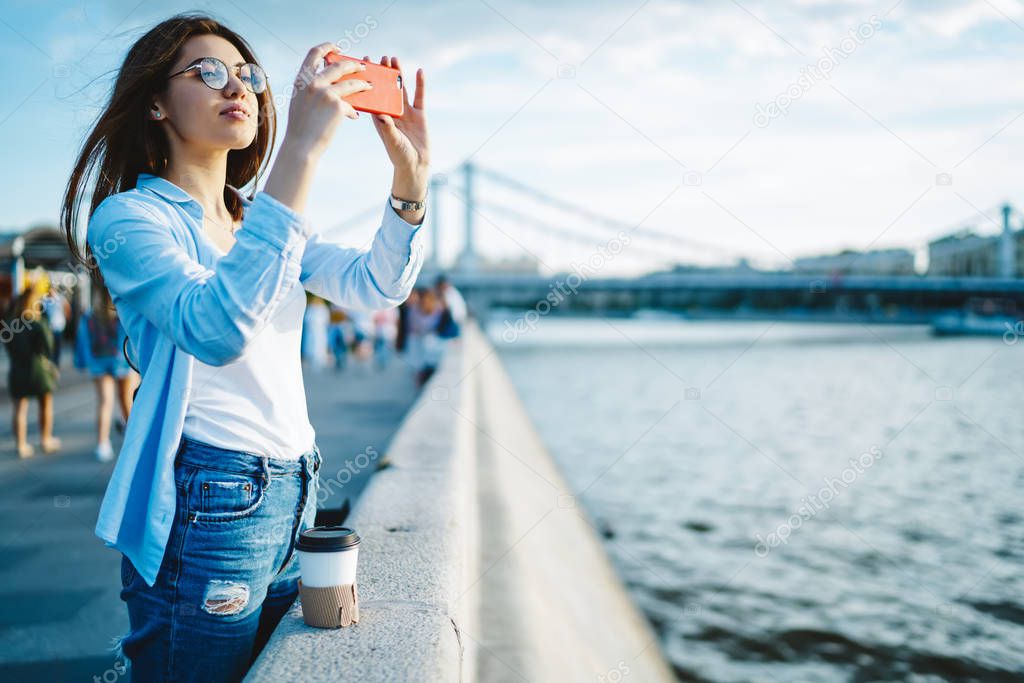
column 216, row 496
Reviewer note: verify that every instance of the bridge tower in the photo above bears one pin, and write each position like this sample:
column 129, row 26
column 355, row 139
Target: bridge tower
column 1007, row 250
column 437, row 183
column 467, row 261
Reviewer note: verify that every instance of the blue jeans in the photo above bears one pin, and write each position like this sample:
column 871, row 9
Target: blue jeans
column 229, row 572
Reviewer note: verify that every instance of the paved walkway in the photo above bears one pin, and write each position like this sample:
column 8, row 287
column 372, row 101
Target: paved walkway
column 59, row 585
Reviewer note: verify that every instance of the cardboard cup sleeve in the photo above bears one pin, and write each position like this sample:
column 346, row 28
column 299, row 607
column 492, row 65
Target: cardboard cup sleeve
column 329, row 606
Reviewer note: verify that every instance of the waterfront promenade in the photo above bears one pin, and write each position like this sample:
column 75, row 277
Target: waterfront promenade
column 59, row 602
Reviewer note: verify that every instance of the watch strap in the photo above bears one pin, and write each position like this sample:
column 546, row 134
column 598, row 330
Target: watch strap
column 405, row 204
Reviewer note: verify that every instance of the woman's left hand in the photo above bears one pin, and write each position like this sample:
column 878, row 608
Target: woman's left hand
column 405, row 140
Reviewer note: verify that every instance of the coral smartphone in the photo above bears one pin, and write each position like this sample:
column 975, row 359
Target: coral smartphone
column 386, row 97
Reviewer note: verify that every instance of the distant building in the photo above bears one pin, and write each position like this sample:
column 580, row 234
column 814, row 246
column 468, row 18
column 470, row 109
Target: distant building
column 964, row 254
column 850, row 262
column 967, row 254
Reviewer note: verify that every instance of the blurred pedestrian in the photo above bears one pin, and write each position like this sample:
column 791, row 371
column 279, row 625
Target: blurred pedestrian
column 31, row 372
column 425, row 346
column 362, row 333
column 452, row 299
column 315, row 321
column 385, row 327
column 99, row 345
column 56, row 308
column 337, row 337
column 402, row 333
column 448, row 326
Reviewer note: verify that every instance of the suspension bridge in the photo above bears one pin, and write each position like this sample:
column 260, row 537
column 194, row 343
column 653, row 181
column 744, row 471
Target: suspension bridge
column 732, row 287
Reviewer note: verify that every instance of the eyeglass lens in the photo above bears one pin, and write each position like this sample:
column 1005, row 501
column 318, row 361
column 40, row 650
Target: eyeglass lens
column 215, row 74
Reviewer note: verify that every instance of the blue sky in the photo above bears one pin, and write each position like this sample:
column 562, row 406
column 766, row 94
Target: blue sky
column 641, row 111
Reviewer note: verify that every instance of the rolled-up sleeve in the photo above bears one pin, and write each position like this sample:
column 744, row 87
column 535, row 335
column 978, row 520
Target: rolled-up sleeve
column 381, row 276
column 211, row 314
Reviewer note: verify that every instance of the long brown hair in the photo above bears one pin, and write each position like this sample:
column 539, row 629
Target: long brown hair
column 124, row 142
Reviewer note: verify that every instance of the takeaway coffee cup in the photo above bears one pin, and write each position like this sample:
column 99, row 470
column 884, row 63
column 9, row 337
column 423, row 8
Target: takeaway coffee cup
column 328, row 556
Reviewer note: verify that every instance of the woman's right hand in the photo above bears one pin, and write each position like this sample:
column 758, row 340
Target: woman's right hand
column 318, row 103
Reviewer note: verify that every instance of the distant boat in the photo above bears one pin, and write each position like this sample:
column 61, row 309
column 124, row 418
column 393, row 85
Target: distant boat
column 970, row 323
column 982, row 316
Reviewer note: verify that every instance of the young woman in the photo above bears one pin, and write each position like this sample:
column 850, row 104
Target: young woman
column 218, row 474
column 98, row 345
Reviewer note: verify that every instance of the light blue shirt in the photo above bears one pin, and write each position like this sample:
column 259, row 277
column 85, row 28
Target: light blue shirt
column 179, row 299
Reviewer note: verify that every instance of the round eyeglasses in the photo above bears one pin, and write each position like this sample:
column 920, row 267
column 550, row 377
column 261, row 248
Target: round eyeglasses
column 214, row 73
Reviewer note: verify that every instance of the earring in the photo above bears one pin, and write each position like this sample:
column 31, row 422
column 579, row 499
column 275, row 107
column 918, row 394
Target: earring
column 157, row 115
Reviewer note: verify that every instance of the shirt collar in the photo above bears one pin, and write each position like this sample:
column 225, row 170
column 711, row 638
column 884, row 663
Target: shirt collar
column 172, row 193
column 163, row 187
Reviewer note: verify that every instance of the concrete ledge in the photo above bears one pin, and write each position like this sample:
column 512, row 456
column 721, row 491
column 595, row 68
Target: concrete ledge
column 393, row 641
column 477, row 563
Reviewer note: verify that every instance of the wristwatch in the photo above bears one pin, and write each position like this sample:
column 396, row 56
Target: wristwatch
column 405, row 204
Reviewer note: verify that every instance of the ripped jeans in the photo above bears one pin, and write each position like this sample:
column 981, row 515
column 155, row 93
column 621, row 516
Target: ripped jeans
column 229, row 572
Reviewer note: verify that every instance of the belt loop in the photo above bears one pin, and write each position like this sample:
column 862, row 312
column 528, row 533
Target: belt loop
column 266, row 470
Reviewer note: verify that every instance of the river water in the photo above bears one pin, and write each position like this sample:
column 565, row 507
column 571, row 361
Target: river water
column 796, row 502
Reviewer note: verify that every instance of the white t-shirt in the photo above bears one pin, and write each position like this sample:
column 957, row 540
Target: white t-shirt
column 257, row 402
